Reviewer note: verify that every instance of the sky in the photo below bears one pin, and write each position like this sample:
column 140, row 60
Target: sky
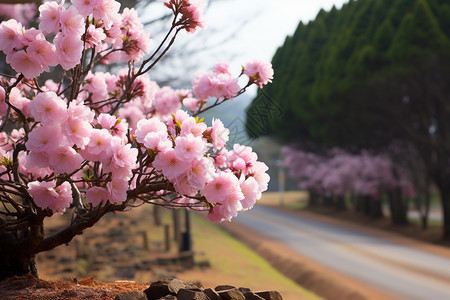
column 267, row 23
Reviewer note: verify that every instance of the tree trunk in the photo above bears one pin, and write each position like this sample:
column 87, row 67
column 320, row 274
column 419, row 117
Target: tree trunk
column 442, row 181
column 340, row 203
column 313, row 199
column 17, row 252
column 398, row 207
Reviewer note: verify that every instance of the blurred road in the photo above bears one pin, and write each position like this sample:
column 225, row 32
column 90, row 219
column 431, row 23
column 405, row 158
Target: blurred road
column 392, row 267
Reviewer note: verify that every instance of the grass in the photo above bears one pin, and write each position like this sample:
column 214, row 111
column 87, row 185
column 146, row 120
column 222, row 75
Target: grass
column 234, row 263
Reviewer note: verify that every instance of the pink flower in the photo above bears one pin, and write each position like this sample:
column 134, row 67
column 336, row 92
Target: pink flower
column 85, row 7
column 170, row 165
column 64, row 198
column 68, row 50
column 50, row 13
column 157, row 142
column 137, row 45
column 65, row 160
column 108, row 11
column 260, row 175
column 94, row 36
column 47, row 195
column 221, row 188
column 43, row 193
column 242, row 158
column 97, row 195
column 188, row 148
column 191, row 13
column 167, row 101
column 26, row 64
column 217, row 85
column 37, row 160
column 117, row 190
column 99, row 141
column 219, row 134
column 190, row 126
column 182, row 186
column 201, row 172
column 120, row 159
column 251, row 191
column 43, row 52
column 77, row 131
column 44, row 139
column 10, row 36
column 152, row 125
column 192, row 103
column 259, row 72
column 72, row 23
column 48, row 108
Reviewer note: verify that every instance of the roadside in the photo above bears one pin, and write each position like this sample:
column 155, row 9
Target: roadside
column 323, row 281
column 115, row 250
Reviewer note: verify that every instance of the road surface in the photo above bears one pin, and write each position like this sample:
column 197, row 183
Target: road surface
column 394, row 268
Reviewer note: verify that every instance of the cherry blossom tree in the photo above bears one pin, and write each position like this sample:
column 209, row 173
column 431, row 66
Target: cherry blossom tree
column 101, row 142
column 363, row 178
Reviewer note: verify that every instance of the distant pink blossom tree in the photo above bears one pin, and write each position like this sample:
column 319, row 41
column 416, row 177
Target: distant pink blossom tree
column 344, row 175
column 102, row 142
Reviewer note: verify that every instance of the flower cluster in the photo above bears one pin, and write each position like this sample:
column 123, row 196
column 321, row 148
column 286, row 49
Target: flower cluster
column 110, row 140
column 86, row 24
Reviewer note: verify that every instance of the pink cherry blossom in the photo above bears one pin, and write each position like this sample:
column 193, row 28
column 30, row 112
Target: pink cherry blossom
column 48, row 108
column 77, row 131
column 26, row 64
column 72, row 23
column 65, row 160
column 97, row 195
column 117, row 190
column 190, row 126
column 201, row 172
column 99, row 141
column 189, row 147
column 43, row 193
column 259, row 72
column 64, row 198
column 94, row 36
column 44, row 139
column 170, row 165
column 219, row 134
column 146, row 126
column 44, row 52
column 68, row 50
column 251, row 191
column 219, row 189
column 10, row 36
column 50, row 13
column 47, row 195
column 107, row 10
column 85, row 7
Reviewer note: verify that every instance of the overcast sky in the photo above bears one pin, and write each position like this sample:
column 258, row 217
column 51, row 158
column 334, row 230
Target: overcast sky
column 268, row 22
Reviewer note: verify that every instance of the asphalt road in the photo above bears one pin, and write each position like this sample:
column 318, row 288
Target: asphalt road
column 394, row 268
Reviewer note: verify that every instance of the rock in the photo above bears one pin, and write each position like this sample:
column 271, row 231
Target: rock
column 231, row 294
column 270, row 295
column 175, row 285
column 185, row 294
column 224, row 287
column 244, row 290
column 252, row 296
column 165, row 287
column 131, row 296
column 212, row 294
